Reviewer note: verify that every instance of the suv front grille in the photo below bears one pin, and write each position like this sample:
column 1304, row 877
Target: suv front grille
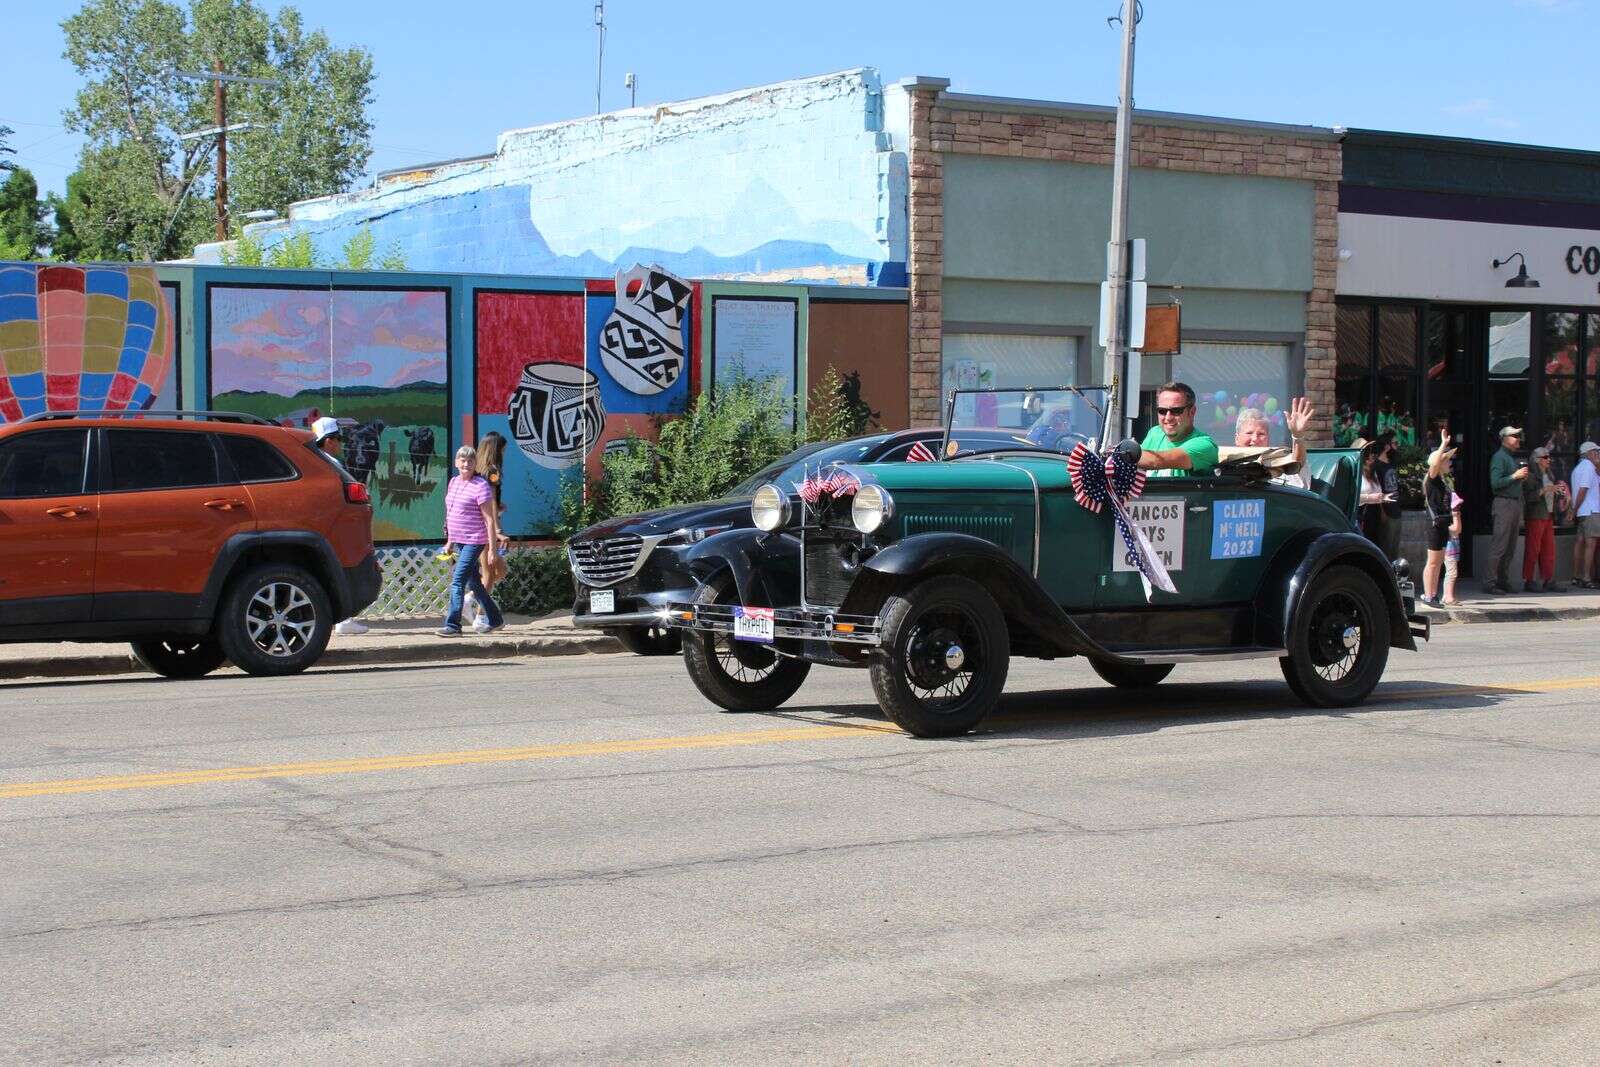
column 826, row 580
column 607, row 559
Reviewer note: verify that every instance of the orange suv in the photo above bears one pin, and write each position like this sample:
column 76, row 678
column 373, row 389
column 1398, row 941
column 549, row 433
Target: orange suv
column 198, row 536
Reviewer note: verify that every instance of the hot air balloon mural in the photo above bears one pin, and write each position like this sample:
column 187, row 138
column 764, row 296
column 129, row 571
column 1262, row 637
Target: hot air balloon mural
column 89, row 338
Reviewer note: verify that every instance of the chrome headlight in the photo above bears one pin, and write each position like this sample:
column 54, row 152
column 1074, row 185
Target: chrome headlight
column 872, row 507
column 769, row 508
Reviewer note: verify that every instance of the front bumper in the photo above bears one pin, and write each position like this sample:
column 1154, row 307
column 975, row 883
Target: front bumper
column 632, row 607
column 787, row 624
column 1421, row 627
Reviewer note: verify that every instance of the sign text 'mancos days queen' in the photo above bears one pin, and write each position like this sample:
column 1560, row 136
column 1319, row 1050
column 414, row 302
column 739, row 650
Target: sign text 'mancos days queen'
column 1161, row 519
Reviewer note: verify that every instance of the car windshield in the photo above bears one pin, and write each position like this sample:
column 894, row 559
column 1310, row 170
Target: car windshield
column 791, row 468
column 1049, row 420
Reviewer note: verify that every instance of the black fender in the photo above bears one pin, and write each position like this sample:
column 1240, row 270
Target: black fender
column 765, row 566
column 298, row 545
column 1286, row 583
column 1028, row 608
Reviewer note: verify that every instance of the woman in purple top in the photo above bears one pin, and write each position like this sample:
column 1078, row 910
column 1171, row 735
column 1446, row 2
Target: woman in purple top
column 472, row 525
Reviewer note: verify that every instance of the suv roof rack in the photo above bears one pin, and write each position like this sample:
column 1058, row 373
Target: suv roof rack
column 202, row 416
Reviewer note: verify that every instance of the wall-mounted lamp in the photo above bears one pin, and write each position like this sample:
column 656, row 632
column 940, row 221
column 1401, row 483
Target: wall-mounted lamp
column 1521, row 281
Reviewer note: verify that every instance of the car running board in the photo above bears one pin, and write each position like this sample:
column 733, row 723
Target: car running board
column 1203, row 655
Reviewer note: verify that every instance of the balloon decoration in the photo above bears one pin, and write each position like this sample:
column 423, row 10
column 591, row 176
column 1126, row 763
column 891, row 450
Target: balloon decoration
column 1219, row 412
column 89, row 338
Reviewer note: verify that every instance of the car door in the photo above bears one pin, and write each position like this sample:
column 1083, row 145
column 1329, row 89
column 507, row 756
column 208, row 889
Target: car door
column 166, row 510
column 49, row 524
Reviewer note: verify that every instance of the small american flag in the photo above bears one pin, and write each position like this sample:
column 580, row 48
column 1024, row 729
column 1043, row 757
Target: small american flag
column 833, row 482
column 920, row 453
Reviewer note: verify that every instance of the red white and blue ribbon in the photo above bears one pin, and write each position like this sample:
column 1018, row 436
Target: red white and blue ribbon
column 1113, row 480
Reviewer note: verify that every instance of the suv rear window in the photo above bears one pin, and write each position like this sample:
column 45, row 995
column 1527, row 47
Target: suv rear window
column 159, row 459
column 43, row 463
column 255, row 460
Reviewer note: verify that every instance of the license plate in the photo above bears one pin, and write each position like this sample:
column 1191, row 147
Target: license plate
column 602, row 602
column 752, row 624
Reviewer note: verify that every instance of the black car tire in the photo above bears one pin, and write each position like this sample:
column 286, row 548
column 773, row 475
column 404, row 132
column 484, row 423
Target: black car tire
column 911, row 668
column 738, row 675
column 1322, row 667
column 1131, row 675
column 254, row 641
column 179, row 657
column 649, row 640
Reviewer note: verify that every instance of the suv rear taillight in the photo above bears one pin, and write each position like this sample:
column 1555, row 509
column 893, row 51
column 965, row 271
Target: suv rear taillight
column 356, row 493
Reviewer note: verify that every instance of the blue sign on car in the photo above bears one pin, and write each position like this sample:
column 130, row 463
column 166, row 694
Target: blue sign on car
column 1237, row 527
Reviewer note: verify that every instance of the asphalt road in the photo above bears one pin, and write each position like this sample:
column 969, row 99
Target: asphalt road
column 580, row 860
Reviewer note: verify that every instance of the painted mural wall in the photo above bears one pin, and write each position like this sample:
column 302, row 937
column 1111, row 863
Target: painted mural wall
column 563, row 374
column 375, row 359
column 793, row 181
column 85, row 338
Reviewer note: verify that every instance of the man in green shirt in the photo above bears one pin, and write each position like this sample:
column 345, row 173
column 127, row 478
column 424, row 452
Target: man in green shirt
column 1506, row 475
column 1174, row 448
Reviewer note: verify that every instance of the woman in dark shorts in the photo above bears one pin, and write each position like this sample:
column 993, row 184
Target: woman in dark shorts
column 1436, row 490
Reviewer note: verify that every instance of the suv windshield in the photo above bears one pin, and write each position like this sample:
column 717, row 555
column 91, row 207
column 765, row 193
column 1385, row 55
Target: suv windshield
column 1049, row 420
column 790, row 468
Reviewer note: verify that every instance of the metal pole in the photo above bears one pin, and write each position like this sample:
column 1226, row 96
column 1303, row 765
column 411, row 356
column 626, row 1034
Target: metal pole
column 221, row 98
column 1117, row 252
column 600, row 54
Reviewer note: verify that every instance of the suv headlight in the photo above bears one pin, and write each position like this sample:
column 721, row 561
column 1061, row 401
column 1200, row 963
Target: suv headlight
column 769, row 508
column 872, row 507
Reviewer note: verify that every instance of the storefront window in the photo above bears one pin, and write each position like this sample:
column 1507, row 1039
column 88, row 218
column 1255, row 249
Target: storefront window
column 1353, row 375
column 1228, row 377
column 1508, row 361
column 1448, row 374
column 1005, row 360
column 1397, row 374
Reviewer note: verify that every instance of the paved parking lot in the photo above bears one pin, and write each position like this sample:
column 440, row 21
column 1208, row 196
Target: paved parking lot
column 579, row 859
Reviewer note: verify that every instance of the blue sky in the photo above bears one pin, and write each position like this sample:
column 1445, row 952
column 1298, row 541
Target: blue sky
column 452, row 76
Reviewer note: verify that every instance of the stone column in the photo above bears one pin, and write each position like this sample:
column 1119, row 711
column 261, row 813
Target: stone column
column 930, row 135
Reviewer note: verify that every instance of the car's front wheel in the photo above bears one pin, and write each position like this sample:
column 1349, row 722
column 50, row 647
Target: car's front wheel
column 275, row 619
column 1131, row 675
column 738, row 675
column 179, row 657
column 943, row 661
column 648, row 640
column 1340, row 641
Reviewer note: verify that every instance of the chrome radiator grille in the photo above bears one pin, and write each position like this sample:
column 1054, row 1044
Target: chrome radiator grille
column 606, row 560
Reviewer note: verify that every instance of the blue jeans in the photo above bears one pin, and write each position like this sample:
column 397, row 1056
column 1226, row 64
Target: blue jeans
column 465, row 577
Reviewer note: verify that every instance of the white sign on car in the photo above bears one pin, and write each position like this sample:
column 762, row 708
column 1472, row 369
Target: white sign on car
column 1161, row 519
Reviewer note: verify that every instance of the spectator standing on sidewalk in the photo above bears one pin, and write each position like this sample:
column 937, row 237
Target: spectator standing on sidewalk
column 1436, row 494
column 1538, row 517
column 473, row 527
column 491, row 456
column 1452, row 552
column 1586, row 506
column 1506, row 476
column 325, row 431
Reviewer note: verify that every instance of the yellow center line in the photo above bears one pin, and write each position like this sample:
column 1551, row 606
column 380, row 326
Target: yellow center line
column 529, row 753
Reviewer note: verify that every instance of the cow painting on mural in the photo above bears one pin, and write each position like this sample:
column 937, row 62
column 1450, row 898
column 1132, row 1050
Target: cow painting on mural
column 361, row 448
column 421, row 451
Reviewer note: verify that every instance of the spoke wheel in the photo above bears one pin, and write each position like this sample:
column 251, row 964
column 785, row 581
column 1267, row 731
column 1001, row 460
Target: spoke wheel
column 275, row 619
column 1339, row 642
column 738, row 675
column 943, row 661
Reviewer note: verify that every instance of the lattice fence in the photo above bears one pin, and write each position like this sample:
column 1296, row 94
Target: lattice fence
column 417, row 582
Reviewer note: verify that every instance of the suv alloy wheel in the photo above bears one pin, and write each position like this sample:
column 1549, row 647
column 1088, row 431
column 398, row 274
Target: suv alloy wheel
column 275, row 619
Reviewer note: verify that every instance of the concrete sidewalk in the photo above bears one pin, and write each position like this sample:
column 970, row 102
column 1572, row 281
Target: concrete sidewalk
column 413, row 640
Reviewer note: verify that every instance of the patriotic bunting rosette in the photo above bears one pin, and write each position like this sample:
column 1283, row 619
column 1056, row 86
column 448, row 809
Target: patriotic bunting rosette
column 1112, row 481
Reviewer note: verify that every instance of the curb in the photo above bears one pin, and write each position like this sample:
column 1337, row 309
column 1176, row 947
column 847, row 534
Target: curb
column 436, row 651
column 1440, row 616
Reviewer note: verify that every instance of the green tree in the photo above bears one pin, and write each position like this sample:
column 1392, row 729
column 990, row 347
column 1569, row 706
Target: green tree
column 23, row 233
column 6, row 149
column 298, row 251
column 147, row 195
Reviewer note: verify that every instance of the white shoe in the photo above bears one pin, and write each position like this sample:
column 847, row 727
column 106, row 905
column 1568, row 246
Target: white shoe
column 351, row 627
column 470, row 612
column 482, row 627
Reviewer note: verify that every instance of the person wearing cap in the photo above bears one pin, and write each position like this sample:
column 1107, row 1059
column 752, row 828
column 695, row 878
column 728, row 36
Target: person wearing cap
column 325, row 432
column 1539, row 540
column 1586, row 506
column 1506, row 475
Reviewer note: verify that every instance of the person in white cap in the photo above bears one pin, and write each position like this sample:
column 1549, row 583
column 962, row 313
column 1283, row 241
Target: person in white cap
column 325, row 431
column 1586, row 506
column 1506, row 475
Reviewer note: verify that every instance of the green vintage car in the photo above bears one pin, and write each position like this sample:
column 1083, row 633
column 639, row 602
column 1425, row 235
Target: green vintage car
column 934, row 575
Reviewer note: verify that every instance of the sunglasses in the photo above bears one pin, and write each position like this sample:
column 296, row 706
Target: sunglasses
column 1172, row 411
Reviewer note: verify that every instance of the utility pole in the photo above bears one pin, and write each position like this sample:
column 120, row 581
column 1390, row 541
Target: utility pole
column 1117, row 251
column 221, row 108
column 630, row 83
column 600, row 54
